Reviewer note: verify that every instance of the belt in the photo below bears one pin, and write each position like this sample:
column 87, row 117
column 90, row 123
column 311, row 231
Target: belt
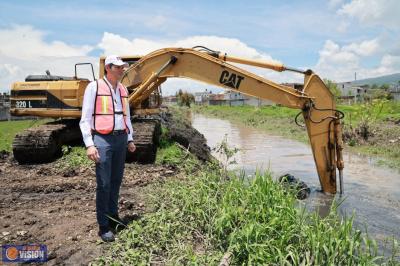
column 114, row 132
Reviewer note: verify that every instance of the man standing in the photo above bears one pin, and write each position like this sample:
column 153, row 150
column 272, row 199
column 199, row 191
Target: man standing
column 107, row 131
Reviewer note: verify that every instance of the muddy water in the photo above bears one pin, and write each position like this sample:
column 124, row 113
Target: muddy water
column 372, row 192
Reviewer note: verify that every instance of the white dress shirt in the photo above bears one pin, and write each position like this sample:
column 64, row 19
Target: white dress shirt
column 86, row 123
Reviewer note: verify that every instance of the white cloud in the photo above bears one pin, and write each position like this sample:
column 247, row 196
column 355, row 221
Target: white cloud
column 383, row 49
column 340, row 63
column 365, row 48
column 391, row 62
column 332, row 53
column 115, row 44
column 374, row 12
column 230, row 46
column 24, row 51
column 25, row 42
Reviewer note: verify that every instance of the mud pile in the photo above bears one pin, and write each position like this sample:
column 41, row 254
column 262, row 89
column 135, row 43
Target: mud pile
column 182, row 132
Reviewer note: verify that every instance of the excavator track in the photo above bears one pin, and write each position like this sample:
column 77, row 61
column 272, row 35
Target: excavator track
column 43, row 144
column 146, row 136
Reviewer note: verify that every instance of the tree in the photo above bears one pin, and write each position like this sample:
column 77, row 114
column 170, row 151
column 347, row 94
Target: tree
column 332, row 86
column 382, row 94
column 384, row 87
column 226, row 154
column 185, row 98
column 374, row 87
column 179, row 93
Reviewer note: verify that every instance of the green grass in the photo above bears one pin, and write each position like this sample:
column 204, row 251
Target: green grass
column 73, row 158
column 171, row 153
column 181, row 113
column 8, row 130
column 372, row 112
column 199, row 218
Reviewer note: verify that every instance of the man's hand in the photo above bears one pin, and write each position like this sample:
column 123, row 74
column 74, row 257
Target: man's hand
column 93, row 154
column 131, row 146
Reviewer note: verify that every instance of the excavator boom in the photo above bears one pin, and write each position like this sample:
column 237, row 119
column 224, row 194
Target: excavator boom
column 315, row 100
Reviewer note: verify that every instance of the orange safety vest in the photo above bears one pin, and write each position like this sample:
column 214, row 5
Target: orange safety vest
column 104, row 109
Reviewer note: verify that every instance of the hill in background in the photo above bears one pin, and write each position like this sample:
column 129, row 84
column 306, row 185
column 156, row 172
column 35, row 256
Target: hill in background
column 387, row 79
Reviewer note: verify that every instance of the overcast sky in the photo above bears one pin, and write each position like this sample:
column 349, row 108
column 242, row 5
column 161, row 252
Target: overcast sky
column 334, row 38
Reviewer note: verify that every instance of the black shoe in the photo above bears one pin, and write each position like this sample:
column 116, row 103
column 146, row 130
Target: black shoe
column 116, row 223
column 106, row 234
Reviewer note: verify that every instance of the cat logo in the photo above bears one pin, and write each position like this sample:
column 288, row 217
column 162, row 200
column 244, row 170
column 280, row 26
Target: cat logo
column 230, row 79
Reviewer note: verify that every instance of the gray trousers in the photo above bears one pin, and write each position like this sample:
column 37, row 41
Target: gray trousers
column 109, row 173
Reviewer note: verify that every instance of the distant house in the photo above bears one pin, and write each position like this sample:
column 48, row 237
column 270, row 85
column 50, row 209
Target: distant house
column 201, row 98
column 170, row 100
column 296, row 86
column 218, row 99
column 5, row 99
column 255, row 101
column 4, row 106
column 394, row 90
column 359, row 88
column 349, row 89
column 235, row 98
column 352, row 93
column 356, row 93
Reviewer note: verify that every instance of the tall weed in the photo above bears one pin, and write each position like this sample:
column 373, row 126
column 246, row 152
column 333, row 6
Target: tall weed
column 199, row 219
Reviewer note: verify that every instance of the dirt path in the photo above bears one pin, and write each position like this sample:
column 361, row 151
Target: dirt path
column 40, row 204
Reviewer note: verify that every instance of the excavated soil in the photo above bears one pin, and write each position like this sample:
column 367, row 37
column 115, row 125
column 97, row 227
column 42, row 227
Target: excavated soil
column 384, row 134
column 182, row 132
column 40, row 204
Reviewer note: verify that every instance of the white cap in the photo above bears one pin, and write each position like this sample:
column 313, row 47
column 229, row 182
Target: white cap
column 115, row 60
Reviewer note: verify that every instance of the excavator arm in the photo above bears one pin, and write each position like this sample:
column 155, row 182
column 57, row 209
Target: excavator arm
column 315, row 100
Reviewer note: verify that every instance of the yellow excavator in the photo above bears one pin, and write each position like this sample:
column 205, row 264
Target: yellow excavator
column 51, row 96
column 145, row 76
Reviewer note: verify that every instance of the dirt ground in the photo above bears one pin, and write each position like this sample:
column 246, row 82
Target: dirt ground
column 40, row 204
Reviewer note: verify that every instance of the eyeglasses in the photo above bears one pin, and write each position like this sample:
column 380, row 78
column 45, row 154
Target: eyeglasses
column 119, row 67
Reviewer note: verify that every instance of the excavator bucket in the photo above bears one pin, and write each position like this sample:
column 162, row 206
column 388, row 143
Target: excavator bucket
column 320, row 118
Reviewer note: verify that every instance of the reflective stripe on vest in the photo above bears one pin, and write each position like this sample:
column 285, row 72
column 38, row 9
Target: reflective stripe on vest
column 104, row 109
